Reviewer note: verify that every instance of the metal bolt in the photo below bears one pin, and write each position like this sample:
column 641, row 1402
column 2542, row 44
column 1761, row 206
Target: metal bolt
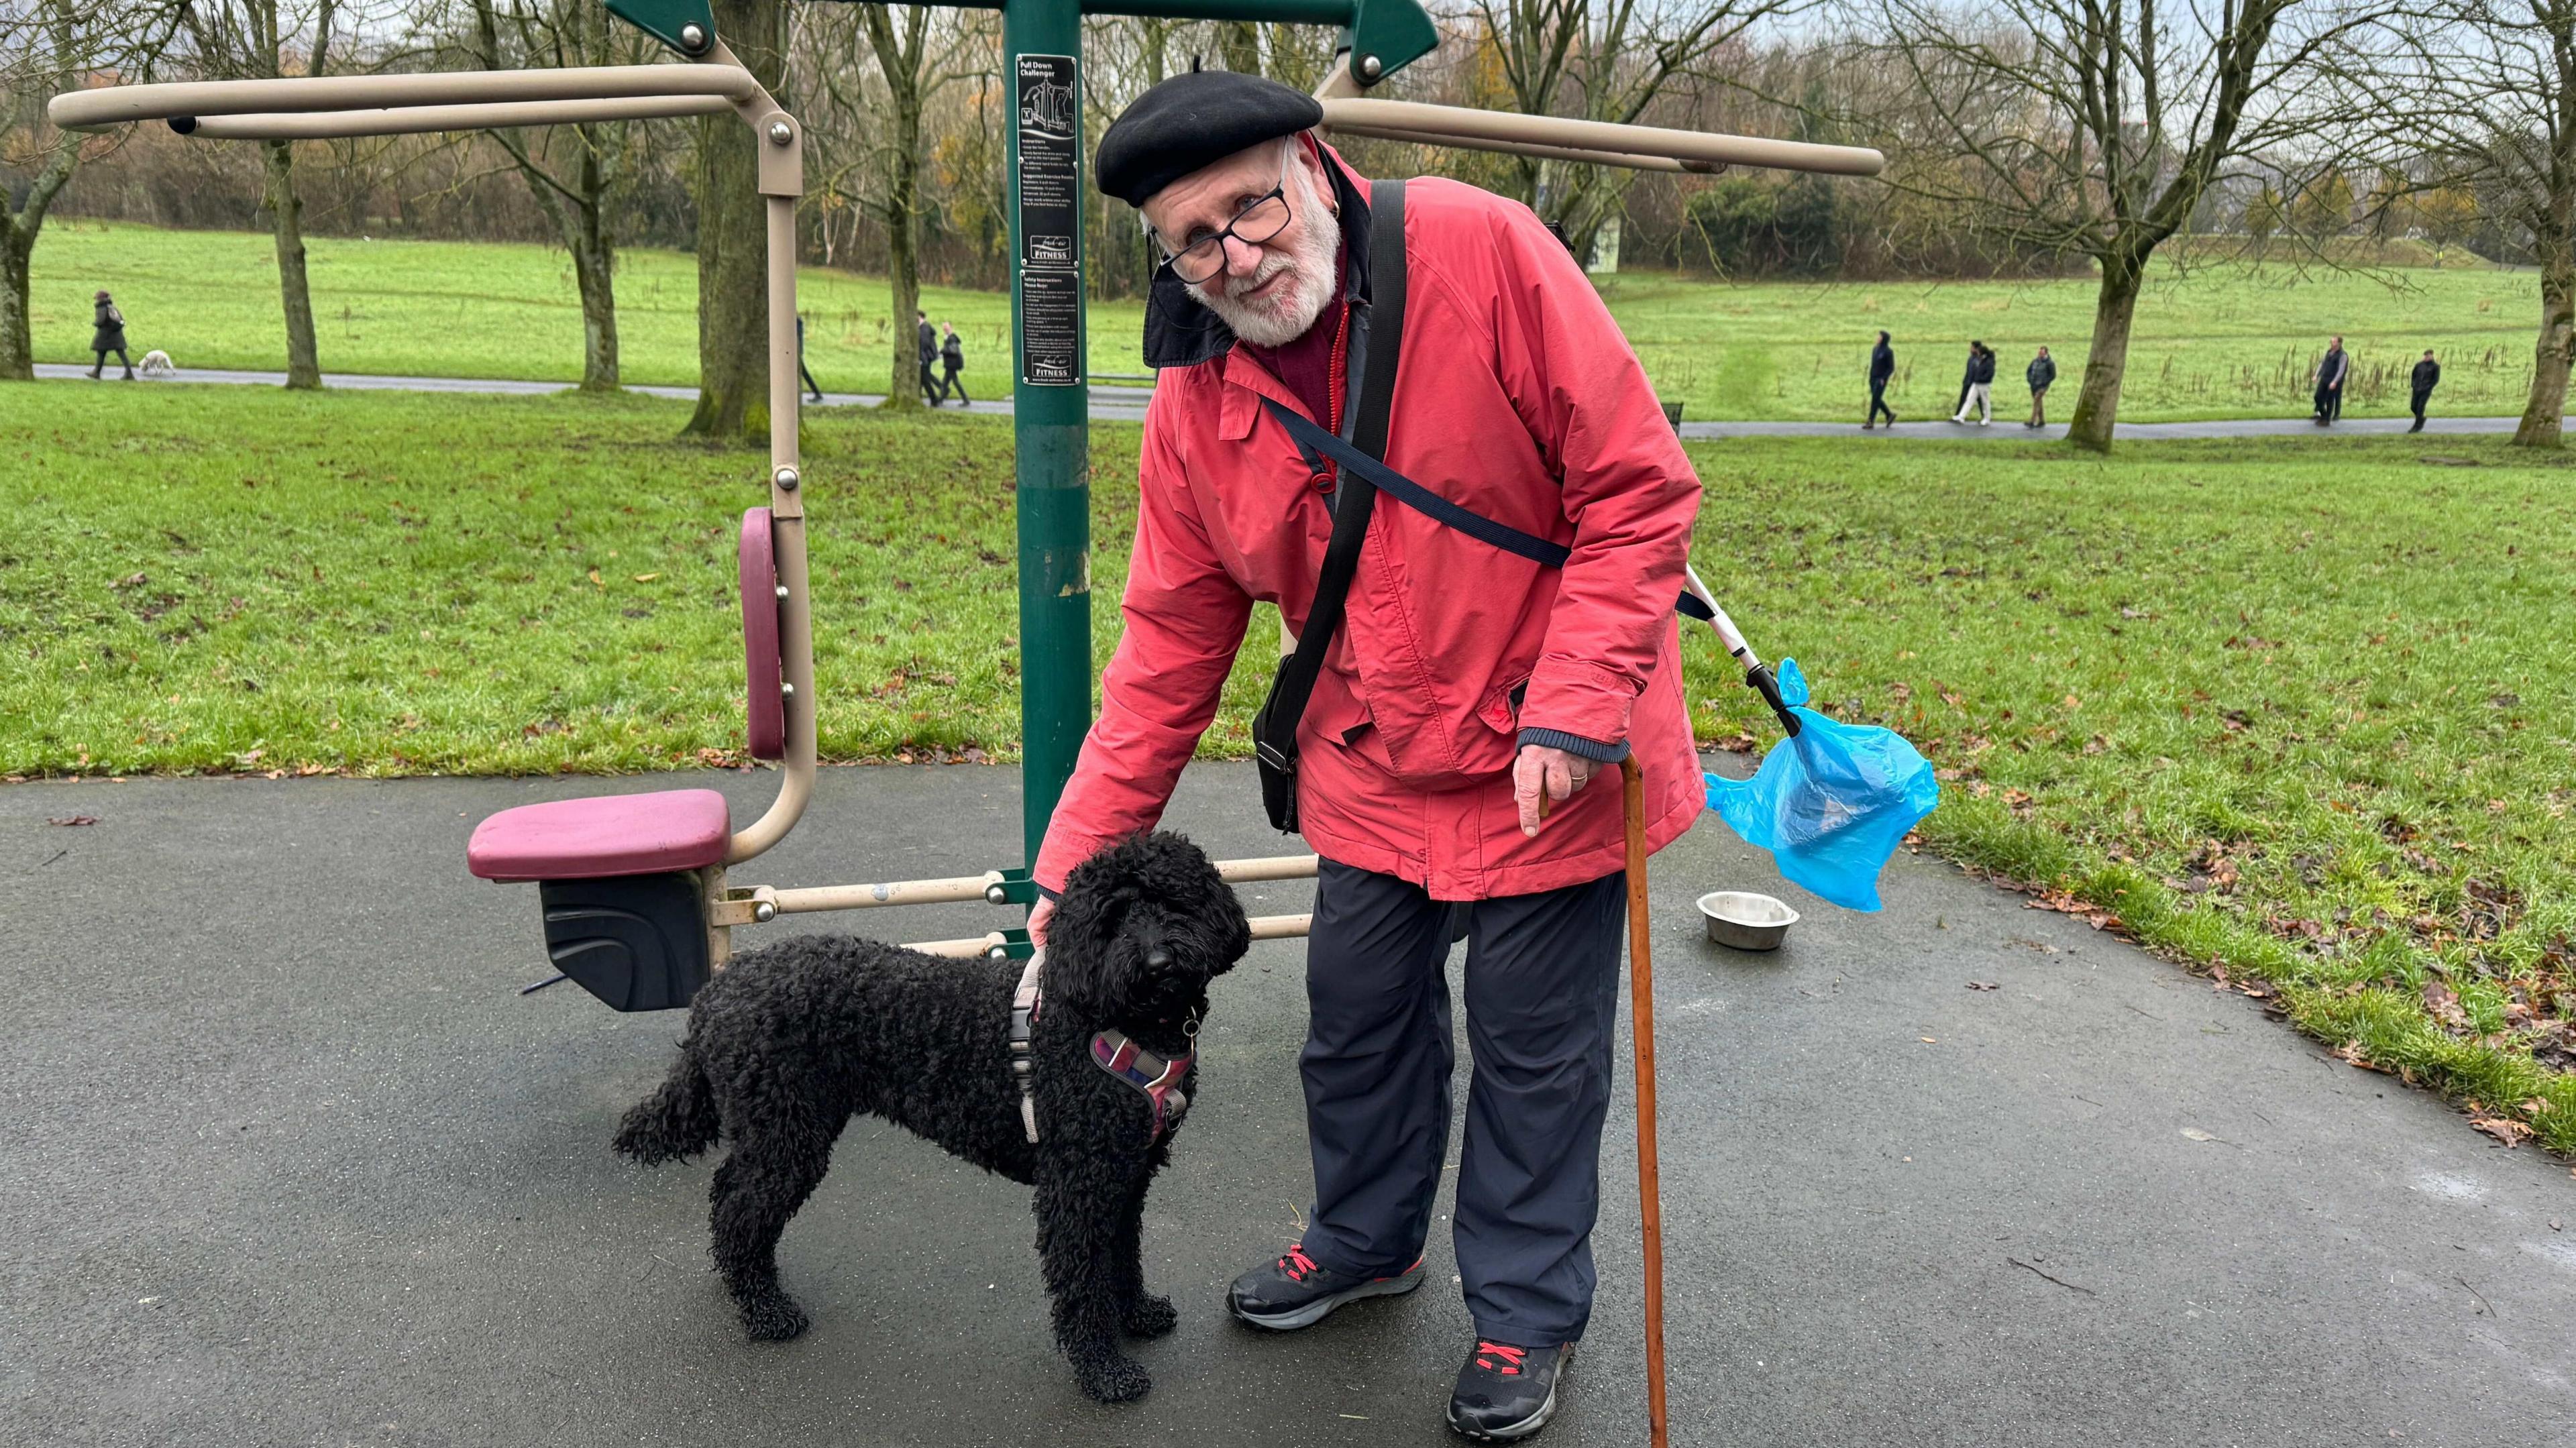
column 787, row 690
column 780, row 133
column 693, row 38
column 785, row 478
column 1371, row 67
column 764, row 912
column 998, row 952
column 996, row 895
column 782, row 593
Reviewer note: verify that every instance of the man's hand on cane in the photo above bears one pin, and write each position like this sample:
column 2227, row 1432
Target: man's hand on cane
column 1542, row 776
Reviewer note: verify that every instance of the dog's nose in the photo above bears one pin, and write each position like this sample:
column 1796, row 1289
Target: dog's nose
column 1159, row 958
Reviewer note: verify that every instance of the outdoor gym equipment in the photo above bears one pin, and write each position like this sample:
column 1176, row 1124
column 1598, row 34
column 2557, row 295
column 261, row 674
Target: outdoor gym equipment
column 635, row 898
column 636, row 904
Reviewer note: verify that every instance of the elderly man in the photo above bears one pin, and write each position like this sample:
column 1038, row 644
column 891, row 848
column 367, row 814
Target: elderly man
column 1464, row 683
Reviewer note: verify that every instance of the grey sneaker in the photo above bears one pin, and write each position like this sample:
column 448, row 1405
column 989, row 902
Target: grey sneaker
column 1295, row 1291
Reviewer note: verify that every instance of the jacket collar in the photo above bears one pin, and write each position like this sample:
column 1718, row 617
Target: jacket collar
column 1182, row 332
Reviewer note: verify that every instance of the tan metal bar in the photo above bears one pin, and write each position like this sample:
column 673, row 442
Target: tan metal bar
column 91, row 110
column 1457, row 125
column 1268, row 867
column 413, row 120
column 954, row 890
column 964, row 889
column 787, row 510
column 1630, row 160
column 1264, row 927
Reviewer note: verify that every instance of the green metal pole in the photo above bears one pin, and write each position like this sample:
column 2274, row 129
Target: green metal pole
column 1041, row 66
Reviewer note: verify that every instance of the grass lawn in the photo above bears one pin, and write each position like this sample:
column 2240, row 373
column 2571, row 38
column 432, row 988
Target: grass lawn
column 2219, row 342
column 2303, row 711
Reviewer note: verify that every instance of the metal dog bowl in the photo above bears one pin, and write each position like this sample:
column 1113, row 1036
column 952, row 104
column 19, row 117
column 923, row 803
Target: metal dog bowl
column 1746, row 921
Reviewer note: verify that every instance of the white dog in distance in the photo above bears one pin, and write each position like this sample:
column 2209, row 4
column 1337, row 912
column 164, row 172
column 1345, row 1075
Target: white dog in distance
column 157, row 363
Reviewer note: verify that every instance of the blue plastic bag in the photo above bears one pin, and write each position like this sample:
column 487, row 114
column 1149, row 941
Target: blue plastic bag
column 1831, row 802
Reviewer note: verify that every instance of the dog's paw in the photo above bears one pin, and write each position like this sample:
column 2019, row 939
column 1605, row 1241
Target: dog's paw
column 1114, row 1380
column 1150, row 1317
column 774, row 1319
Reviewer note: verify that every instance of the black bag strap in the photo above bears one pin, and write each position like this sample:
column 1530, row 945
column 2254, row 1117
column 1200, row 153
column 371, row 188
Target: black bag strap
column 1317, row 444
column 1277, row 744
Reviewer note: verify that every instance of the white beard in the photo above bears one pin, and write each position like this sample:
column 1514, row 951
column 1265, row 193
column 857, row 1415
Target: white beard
column 1284, row 316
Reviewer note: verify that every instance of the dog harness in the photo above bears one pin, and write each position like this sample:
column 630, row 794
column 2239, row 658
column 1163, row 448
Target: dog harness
column 1159, row 1077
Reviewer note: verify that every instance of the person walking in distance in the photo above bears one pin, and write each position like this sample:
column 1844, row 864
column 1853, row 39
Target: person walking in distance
column 2039, row 374
column 1882, row 366
column 1978, row 386
column 2332, row 369
column 925, row 346
column 2428, row 374
column 801, row 370
column 107, row 334
column 952, row 361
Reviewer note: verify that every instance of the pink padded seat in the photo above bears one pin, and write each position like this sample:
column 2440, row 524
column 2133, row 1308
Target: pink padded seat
column 593, row 839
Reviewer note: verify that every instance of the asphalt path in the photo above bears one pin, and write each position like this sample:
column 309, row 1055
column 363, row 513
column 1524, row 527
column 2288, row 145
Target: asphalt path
column 1127, row 404
column 289, row 1160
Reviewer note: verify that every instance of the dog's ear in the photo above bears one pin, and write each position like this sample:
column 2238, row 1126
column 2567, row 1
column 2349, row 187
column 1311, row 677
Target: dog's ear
column 1197, row 900
column 1086, row 972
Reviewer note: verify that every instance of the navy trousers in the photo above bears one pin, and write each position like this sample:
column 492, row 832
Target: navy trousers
column 1542, row 1002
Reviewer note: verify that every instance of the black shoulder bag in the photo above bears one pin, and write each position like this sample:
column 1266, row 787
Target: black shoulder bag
column 1274, row 729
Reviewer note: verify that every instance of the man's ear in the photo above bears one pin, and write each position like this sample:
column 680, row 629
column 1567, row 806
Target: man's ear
column 1310, row 154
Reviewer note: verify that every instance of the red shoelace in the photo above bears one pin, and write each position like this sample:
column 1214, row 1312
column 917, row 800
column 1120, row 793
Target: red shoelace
column 1297, row 1264
column 1510, row 1358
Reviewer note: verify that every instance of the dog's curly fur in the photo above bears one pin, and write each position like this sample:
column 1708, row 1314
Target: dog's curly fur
column 791, row 1040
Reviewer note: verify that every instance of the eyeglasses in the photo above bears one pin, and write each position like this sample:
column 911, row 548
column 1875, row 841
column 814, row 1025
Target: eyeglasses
column 1265, row 217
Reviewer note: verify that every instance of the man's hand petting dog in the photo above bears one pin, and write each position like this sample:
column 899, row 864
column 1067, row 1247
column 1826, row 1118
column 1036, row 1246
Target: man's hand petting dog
column 792, row 1039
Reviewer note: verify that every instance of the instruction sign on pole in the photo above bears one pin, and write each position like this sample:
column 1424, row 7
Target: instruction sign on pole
column 1048, row 109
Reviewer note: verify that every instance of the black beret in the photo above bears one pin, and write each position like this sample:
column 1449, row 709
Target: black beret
column 1195, row 120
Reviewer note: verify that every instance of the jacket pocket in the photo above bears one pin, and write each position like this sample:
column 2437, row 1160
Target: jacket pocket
column 1501, row 709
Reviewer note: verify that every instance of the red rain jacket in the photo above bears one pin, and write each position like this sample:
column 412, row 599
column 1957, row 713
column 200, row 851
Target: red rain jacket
column 1516, row 397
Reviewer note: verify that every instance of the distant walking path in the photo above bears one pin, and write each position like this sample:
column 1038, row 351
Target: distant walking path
column 1127, row 404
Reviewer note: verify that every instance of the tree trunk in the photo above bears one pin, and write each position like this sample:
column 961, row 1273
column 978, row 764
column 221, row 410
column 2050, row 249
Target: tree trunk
column 1239, row 42
column 17, row 338
column 286, row 221
column 2542, row 412
column 2097, row 403
column 903, row 253
column 594, row 271
column 733, row 293
column 17, row 251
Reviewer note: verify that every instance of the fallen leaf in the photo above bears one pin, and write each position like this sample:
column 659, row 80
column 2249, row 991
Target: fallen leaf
column 1927, row 1040
column 74, row 820
column 2503, row 1128
column 594, row 579
column 646, row 577
column 1982, row 985
column 129, row 581
column 2194, row 1133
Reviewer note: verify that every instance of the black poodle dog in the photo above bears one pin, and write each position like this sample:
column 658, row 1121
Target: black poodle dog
column 791, row 1040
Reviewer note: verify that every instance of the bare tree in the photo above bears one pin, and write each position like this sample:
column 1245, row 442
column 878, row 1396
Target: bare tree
column 572, row 172
column 916, row 50
column 2483, row 92
column 1600, row 60
column 48, row 47
column 258, row 39
column 2093, row 128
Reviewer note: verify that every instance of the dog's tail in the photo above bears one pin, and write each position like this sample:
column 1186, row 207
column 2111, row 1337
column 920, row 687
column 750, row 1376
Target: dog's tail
column 676, row 1122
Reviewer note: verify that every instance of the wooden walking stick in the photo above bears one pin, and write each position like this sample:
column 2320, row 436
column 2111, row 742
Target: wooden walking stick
column 1641, row 999
column 1641, row 996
